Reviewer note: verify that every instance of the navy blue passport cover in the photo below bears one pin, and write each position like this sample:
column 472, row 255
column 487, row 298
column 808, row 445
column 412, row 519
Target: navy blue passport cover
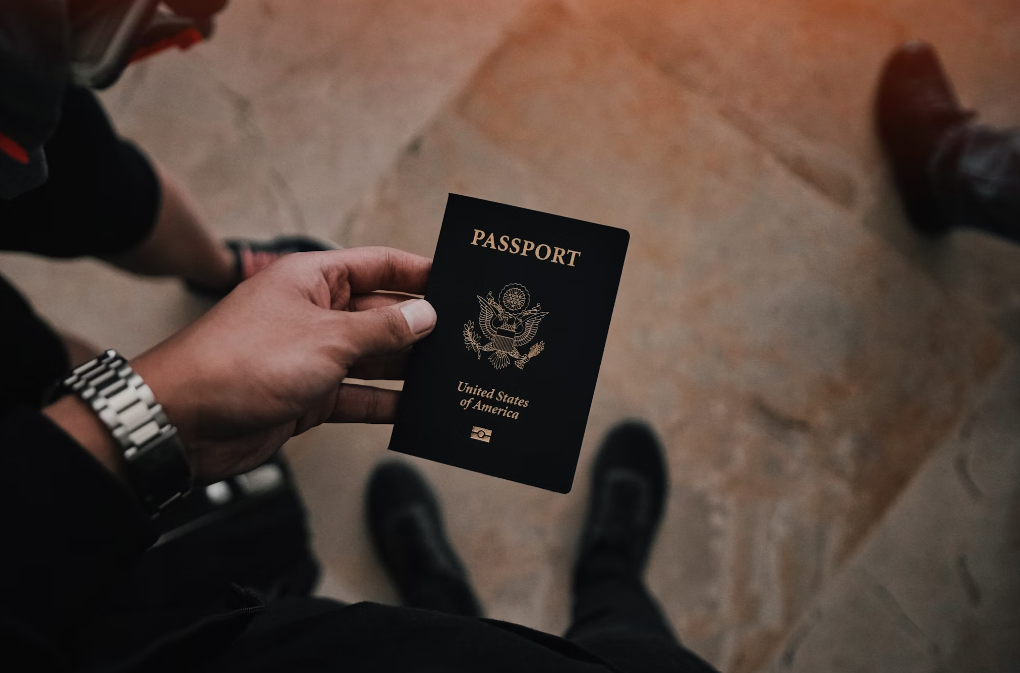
column 504, row 384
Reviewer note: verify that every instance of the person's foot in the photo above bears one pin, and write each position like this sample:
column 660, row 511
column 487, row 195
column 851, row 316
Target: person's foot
column 407, row 532
column 628, row 492
column 250, row 257
column 915, row 109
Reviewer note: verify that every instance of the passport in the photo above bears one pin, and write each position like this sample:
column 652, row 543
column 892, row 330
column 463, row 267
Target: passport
column 504, row 383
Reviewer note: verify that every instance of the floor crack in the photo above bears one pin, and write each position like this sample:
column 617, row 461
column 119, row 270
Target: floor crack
column 246, row 121
column 887, row 598
column 965, row 478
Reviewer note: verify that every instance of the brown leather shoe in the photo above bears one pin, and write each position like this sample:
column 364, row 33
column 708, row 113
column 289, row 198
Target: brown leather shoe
column 915, row 109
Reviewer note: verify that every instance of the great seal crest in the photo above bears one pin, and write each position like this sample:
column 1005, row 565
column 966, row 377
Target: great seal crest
column 509, row 324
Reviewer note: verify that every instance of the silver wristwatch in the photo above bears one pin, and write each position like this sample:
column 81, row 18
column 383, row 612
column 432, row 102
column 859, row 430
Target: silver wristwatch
column 152, row 450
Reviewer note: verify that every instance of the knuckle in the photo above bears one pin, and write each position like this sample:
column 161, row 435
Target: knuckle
column 389, row 265
column 346, row 348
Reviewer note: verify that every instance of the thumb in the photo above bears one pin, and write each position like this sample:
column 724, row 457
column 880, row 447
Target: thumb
column 386, row 330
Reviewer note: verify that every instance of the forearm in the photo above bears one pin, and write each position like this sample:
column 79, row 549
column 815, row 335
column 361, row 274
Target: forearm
column 180, row 243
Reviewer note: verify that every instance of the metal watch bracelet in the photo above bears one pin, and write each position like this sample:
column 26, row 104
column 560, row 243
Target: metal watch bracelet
column 153, row 452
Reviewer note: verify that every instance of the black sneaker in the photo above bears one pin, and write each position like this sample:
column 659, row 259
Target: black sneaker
column 407, row 532
column 915, row 109
column 250, row 257
column 627, row 495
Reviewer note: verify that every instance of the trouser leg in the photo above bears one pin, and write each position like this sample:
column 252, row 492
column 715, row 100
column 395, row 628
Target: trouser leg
column 615, row 617
column 102, row 196
column 976, row 178
column 607, row 597
column 261, row 542
column 262, row 545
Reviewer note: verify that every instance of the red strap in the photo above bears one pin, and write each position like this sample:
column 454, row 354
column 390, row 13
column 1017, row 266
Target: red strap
column 188, row 37
column 13, row 150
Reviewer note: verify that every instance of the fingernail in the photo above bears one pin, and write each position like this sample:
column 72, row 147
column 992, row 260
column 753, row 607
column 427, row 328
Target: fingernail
column 419, row 314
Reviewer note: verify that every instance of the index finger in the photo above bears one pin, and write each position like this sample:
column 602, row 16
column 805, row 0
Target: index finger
column 377, row 268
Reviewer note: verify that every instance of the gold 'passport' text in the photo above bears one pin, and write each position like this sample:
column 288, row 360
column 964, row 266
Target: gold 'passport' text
column 518, row 246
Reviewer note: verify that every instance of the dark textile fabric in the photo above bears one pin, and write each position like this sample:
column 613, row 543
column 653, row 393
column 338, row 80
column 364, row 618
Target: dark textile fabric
column 36, row 52
column 102, row 196
column 615, row 617
column 216, row 571
column 37, row 356
column 313, row 634
column 33, row 74
column 445, row 594
column 77, row 546
column 70, row 534
column 976, row 179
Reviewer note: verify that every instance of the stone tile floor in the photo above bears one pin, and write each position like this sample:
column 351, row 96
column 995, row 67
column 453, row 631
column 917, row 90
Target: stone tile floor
column 837, row 398
column 935, row 588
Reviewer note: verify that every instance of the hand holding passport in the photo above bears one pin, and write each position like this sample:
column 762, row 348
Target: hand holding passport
column 504, row 384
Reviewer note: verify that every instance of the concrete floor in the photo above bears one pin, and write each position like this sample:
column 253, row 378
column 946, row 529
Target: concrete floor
column 838, row 398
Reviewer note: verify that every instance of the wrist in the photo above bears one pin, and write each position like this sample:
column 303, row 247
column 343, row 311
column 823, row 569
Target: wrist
column 146, row 450
column 175, row 386
column 163, row 381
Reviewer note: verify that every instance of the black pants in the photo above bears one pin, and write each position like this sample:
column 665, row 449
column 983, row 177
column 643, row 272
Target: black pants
column 976, row 178
column 102, row 198
column 266, row 548
column 614, row 618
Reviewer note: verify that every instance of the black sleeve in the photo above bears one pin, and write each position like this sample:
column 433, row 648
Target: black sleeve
column 70, row 533
column 102, row 197
column 38, row 357
column 33, row 74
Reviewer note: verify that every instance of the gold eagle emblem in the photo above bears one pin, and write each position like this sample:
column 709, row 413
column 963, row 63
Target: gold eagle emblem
column 509, row 324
